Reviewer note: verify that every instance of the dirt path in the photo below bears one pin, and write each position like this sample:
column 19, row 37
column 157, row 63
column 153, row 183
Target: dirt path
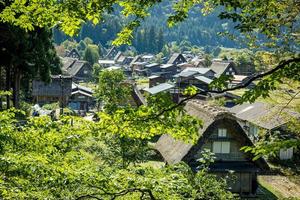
column 282, row 185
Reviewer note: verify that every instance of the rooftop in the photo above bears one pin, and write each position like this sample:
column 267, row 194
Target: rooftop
column 159, row 88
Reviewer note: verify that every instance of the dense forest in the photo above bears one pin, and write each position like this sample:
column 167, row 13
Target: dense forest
column 153, row 33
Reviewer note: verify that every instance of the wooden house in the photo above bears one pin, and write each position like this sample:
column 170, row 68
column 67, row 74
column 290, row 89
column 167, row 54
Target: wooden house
column 58, row 90
column 177, row 58
column 106, row 63
column 73, row 54
column 199, row 77
column 81, row 98
column 163, row 87
column 168, row 71
column 264, row 117
column 223, row 67
column 80, row 70
column 155, row 80
column 152, row 68
column 222, row 135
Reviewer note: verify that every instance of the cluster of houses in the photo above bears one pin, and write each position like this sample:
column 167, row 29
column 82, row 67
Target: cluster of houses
column 225, row 130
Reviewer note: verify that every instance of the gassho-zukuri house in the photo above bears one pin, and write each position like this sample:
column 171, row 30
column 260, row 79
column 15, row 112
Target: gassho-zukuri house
column 222, row 135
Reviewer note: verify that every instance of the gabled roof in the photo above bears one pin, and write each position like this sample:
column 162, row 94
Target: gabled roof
column 76, row 67
column 174, row 151
column 263, row 115
column 200, row 70
column 82, row 93
column 119, row 54
column 176, row 56
column 72, row 53
column 186, row 74
column 159, row 88
column 67, row 62
column 220, row 66
column 71, row 66
column 76, row 87
column 136, row 59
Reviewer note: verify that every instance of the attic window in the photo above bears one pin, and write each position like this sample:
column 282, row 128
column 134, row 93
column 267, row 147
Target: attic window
column 222, row 132
column 85, row 72
column 221, row 147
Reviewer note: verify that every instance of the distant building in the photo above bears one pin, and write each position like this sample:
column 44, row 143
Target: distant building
column 168, row 71
column 155, row 80
column 176, row 59
column 106, row 63
column 223, row 67
column 73, row 54
column 241, row 80
column 111, row 54
column 81, row 98
column 80, row 70
column 163, row 87
column 58, row 90
column 222, row 135
column 152, row 68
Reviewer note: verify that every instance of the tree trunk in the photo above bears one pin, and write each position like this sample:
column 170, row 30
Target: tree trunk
column 16, row 88
column 7, row 79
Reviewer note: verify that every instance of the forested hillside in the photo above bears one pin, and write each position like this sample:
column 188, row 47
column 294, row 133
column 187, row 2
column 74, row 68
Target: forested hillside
column 153, row 34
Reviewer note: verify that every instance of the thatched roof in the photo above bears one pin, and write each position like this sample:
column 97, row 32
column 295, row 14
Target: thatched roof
column 176, row 58
column 173, row 151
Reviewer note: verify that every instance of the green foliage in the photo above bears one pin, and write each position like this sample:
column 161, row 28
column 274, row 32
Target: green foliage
column 111, row 90
column 52, row 106
column 91, row 54
column 73, row 158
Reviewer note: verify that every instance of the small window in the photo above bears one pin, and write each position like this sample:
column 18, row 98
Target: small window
column 222, row 132
column 221, row 147
column 227, row 73
column 85, row 72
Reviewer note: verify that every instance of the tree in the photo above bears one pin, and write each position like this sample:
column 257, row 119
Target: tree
column 28, row 55
column 91, row 54
column 112, row 91
column 160, row 40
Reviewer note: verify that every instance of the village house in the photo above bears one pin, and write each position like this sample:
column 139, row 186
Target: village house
column 59, row 89
column 168, row 71
column 241, row 80
column 163, row 87
column 222, row 135
column 111, row 54
column 155, row 80
column 73, row 54
column 106, row 63
column 263, row 117
column 153, row 68
column 81, row 99
column 148, row 58
column 139, row 68
column 177, row 58
column 223, row 67
column 80, row 70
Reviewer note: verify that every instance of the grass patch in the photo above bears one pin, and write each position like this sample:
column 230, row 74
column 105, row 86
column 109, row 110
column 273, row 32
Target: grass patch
column 269, row 193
